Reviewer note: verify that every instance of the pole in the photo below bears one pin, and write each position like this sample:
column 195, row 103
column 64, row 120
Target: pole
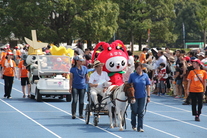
column 184, row 36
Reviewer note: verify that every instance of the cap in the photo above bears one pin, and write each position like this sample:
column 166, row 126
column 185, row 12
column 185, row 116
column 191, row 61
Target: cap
column 97, row 63
column 79, row 57
column 197, row 60
column 201, row 54
column 205, row 48
column 187, row 58
column 10, row 53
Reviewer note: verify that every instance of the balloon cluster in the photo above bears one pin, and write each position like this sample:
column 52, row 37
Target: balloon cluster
column 61, row 50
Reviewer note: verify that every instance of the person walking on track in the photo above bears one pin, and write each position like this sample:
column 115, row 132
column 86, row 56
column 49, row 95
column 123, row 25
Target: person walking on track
column 141, row 83
column 8, row 71
column 196, row 87
column 78, row 80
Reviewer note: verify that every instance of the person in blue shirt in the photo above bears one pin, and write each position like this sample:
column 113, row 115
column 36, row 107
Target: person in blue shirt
column 78, row 82
column 141, row 83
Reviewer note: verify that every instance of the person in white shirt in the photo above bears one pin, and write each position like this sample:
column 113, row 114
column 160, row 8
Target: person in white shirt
column 98, row 82
column 161, row 59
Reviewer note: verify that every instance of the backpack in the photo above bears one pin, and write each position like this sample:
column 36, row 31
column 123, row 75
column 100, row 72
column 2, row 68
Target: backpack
column 168, row 70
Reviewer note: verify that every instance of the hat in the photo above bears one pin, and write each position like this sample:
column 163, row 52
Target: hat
column 201, row 54
column 171, row 59
column 79, row 57
column 10, row 53
column 197, row 60
column 205, row 48
column 187, row 58
column 97, row 63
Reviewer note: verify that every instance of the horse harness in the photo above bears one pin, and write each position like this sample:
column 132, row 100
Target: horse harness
column 113, row 90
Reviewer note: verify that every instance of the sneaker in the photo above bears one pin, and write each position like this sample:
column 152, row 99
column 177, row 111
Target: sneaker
column 141, row 130
column 24, row 96
column 197, row 118
column 177, row 97
column 73, row 117
column 28, row 96
column 134, row 128
column 9, row 97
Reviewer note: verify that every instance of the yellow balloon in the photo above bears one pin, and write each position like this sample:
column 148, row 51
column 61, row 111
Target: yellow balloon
column 70, row 52
column 58, row 50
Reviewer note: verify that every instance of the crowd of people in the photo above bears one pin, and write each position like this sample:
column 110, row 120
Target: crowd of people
column 166, row 72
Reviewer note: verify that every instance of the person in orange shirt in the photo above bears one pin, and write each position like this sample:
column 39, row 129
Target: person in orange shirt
column 8, row 71
column 142, row 58
column 3, row 55
column 58, row 65
column 23, row 74
column 196, row 87
column 18, row 55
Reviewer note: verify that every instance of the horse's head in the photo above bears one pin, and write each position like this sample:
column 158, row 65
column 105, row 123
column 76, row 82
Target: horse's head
column 129, row 92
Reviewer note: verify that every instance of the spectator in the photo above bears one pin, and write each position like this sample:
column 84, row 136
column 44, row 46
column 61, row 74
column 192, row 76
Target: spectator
column 201, row 55
column 178, row 79
column 142, row 58
column 162, row 78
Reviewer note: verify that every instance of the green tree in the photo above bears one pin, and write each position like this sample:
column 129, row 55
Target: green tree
column 202, row 19
column 137, row 16
column 186, row 15
column 21, row 16
column 97, row 20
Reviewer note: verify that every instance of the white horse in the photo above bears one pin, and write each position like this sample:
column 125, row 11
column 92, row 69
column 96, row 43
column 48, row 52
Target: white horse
column 117, row 103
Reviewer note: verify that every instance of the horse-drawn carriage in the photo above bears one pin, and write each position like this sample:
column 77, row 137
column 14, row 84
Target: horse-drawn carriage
column 114, row 104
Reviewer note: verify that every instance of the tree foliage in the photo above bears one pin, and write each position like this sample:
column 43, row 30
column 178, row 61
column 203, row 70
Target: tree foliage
column 98, row 20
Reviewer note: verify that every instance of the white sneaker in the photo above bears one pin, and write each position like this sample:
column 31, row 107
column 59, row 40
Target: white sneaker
column 141, row 130
column 9, row 98
column 134, row 128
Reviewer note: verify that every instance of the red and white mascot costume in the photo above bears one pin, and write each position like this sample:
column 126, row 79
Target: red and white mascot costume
column 115, row 59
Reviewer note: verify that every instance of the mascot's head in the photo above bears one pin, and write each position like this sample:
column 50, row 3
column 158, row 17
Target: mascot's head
column 114, row 56
column 31, row 59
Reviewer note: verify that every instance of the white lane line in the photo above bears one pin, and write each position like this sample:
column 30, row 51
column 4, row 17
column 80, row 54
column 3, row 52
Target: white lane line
column 83, row 120
column 155, row 128
column 177, row 120
column 30, row 118
column 158, row 130
column 174, row 107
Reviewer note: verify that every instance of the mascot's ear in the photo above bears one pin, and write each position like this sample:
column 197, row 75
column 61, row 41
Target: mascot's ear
column 103, row 44
column 119, row 44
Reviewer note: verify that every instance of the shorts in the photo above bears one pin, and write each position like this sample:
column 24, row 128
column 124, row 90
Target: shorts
column 178, row 82
column 24, row 81
column 161, row 84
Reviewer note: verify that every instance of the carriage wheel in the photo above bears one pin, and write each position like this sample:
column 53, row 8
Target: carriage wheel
column 87, row 114
column 95, row 121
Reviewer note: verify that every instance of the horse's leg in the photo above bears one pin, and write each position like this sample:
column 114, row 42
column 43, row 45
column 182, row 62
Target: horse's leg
column 109, row 108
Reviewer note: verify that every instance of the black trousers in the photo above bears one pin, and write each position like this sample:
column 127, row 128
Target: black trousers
column 8, row 82
column 196, row 99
